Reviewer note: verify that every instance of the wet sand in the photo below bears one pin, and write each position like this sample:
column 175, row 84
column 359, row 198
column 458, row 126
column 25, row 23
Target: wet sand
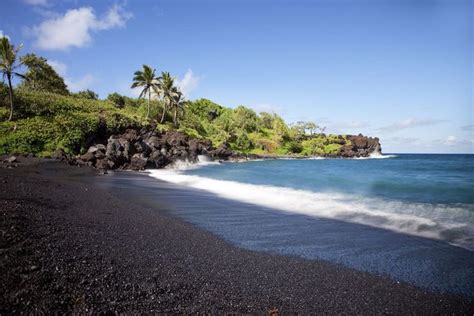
column 71, row 245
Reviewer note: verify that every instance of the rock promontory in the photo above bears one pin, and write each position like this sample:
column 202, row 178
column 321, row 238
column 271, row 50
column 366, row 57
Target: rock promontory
column 139, row 149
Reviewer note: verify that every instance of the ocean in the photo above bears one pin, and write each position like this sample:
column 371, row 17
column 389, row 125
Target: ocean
column 406, row 216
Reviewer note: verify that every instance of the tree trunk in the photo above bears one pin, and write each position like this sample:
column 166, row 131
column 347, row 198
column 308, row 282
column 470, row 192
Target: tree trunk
column 10, row 92
column 148, row 109
column 175, row 120
column 164, row 111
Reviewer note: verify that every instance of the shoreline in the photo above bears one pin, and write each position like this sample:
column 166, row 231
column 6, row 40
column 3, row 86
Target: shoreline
column 72, row 246
column 262, row 219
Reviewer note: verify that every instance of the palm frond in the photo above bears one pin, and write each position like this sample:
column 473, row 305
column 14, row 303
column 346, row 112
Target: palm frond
column 20, row 75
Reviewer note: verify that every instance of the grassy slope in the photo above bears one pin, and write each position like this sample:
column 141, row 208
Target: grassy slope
column 44, row 122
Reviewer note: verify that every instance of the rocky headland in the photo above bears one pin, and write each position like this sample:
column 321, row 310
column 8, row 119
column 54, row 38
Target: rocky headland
column 139, row 149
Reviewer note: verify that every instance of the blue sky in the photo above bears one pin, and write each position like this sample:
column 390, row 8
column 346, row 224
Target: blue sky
column 399, row 70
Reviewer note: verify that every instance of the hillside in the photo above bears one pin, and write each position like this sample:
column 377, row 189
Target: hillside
column 44, row 122
column 40, row 116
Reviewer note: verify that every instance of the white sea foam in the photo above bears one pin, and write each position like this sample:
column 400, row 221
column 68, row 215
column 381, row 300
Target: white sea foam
column 452, row 224
column 376, row 155
column 186, row 164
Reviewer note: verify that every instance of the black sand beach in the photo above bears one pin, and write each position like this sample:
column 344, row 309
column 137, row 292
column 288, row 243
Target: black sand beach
column 69, row 245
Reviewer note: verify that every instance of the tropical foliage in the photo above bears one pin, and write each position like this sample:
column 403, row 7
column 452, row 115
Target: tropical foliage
column 147, row 81
column 165, row 89
column 48, row 117
column 40, row 76
column 86, row 94
column 8, row 66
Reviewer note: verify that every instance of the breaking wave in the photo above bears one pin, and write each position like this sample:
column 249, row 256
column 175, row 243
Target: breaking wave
column 186, row 164
column 376, row 155
column 451, row 223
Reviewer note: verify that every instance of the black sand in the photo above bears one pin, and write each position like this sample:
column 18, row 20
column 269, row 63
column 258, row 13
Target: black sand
column 69, row 246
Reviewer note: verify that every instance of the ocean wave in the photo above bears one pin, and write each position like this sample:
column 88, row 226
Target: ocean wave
column 453, row 224
column 376, row 156
column 202, row 160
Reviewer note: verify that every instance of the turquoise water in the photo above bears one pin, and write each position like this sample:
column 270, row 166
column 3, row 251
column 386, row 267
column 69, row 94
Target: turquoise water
column 410, row 217
column 430, row 196
column 446, row 179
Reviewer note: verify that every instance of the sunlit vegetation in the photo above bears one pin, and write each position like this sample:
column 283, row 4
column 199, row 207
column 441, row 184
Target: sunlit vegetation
column 40, row 115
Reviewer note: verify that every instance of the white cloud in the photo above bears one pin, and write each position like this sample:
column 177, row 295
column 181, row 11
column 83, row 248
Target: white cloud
column 60, row 67
column 451, row 140
column 116, row 17
column 37, row 2
column 4, row 35
column 74, row 85
column 266, row 107
column 73, row 29
column 188, row 83
column 454, row 141
column 81, row 84
column 409, row 123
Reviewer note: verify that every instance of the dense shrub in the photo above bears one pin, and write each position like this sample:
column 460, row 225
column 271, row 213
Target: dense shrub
column 321, row 144
column 293, row 147
column 86, row 94
column 44, row 122
column 242, row 142
column 244, row 119
column 117, row 99
column 49, row 104
column 40, row 76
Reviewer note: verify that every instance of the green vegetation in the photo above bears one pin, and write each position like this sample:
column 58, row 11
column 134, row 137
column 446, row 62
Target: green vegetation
column 48, row 117
column 41, row 76
column 8, row 66
column 249, row 132
column 166, row 86
column 147, row 81
column 86, row 94
column 44, row 122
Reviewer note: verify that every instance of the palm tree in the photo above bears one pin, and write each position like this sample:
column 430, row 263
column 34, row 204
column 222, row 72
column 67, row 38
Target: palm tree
column 177, row 104
column 147, row 80
column 8, row 65
column 166, row 89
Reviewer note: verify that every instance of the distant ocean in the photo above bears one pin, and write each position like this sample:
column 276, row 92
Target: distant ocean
column 410, row 216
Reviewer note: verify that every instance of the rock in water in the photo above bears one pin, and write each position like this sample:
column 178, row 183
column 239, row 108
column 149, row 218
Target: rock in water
column 222, row 153
column 360, row 146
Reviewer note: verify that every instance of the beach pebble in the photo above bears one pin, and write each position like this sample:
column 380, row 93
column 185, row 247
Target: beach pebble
column 11, row 159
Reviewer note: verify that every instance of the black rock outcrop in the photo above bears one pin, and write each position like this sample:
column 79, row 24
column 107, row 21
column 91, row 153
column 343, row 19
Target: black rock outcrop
column 141, row 149
column 144, row 149
column 360, row 146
